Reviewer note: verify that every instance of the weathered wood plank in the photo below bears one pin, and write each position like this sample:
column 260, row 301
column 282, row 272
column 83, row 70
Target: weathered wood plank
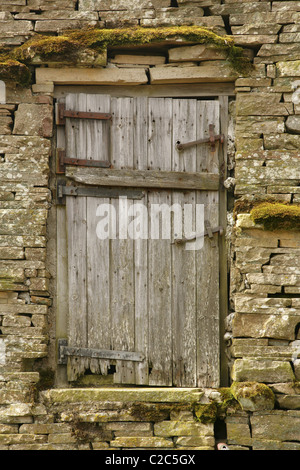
column 98, row 131
column 144, row 178
column 140, row 162
column 77, row 321
column 207, row 260
column 98, row 295
column 183, row 261
column 224, row 265
column 76, row 227
column 122, row 133
column 155, row 91
column 159, row 250
column 62, row 288
column 122, row 255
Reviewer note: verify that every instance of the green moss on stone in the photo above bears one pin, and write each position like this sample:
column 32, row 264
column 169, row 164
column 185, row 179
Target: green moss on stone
column 245, row 204
column 13, row 70
column 210, row 412
column 153, row 412
column 73, row 42
column 206, row 413
column 238, row 61
column 274, row 216
column 253, row 396
column 46, row 47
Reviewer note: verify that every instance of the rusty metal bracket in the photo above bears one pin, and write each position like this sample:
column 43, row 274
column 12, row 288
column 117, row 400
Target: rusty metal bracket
column 62, row 114
column 207, row 232
column 212, row 139
column 62, row 161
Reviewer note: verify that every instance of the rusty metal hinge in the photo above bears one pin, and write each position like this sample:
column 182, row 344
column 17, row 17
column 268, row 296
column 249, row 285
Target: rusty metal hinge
column 65, row 351
column 62, row 114
column 62, row 161
column 212, row 139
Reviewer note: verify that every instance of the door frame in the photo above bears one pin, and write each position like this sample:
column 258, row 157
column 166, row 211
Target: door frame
column 220, row 92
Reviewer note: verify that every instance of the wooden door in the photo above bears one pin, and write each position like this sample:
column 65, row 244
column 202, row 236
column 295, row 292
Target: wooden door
column 145, row 295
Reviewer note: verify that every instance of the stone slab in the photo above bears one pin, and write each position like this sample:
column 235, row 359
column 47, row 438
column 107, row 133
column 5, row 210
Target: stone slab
column 205, row 73
column 87, row 76
column 195, row 53
column 151, row 395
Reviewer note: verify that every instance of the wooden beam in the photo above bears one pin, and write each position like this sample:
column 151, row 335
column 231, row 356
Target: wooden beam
column 144, row 178
column 153, row 91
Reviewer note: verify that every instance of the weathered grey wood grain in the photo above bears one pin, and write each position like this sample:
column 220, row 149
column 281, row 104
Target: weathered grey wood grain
column 145, row 295
column 207, row 260
column 77, row 322
column 98, row 288
column 144, row 178
column 76, row 226
column 122, row 256
column 183, row 261
column 159, row 250
column 140, row 162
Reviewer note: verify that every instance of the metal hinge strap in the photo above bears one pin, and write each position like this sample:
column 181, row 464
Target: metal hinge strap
column 62, row 161
column 65, row 351
column 62, row 114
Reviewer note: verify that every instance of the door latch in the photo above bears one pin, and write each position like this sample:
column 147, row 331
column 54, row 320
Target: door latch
column 212, row 139
column 208, row 232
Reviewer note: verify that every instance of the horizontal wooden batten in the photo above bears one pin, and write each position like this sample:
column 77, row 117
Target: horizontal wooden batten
column 65, row 351
column 144, row 178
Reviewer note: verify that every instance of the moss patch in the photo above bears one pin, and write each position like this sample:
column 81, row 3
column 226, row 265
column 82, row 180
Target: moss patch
column 210, row 412
column 253, row 396
column 274, row 216
column 245, row 204
column 206, row 413
column 13, row 70
column 72, row 42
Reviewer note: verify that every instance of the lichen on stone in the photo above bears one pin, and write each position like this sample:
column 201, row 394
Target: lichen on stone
column 276, row 216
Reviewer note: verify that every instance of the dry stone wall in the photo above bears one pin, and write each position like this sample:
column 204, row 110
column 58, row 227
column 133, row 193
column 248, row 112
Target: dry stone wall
column 262, row 328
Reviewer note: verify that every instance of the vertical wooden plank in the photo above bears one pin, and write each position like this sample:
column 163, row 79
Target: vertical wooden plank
column 224, row 265
column 98, row 131
column 77, row 324
column 76, row 145
column 122, row 255
column 140, row 162
column 183, row 261
column 98, row 285
column 122, row 132
column 62, row 288
column 207, row 260
column 159, row 250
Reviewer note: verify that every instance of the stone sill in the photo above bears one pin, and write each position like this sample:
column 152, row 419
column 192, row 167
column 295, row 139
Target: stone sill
column 123, row 394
